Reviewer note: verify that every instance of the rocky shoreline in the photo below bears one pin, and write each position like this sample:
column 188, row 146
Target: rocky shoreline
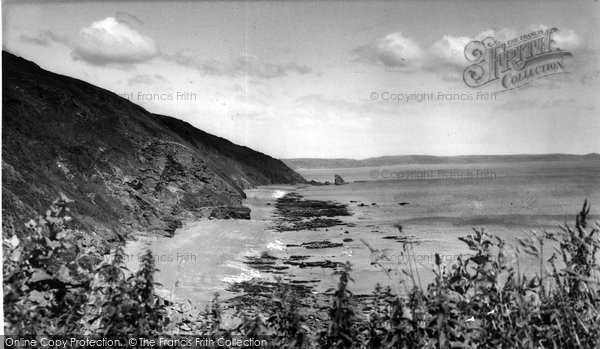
column 298, row 221
column 293, row 213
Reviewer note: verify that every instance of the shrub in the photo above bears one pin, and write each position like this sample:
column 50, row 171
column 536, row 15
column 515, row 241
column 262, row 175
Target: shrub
column 52, row 286
column 287, row 325
column 483, row 302
column 341, row 332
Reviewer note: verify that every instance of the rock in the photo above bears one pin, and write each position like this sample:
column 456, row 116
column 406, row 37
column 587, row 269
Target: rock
column 172, row 225
column 403, row 239
column 314, row 264
column 347, row 240
column 299, row 282
column 295, row 213
column 338, row 180
column 297, row 258
column 227, row 212
column 321, row 244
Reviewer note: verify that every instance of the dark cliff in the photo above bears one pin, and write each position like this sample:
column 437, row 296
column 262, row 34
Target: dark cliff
column 125, row 168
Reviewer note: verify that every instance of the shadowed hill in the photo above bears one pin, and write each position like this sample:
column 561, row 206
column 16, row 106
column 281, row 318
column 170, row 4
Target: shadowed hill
column 127, row 169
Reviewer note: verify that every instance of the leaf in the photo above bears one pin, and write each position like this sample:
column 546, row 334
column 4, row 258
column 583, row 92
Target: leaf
column 14, row 241
column 38, row 297
column 16, row 255
column 52, row 244
column 64, row 274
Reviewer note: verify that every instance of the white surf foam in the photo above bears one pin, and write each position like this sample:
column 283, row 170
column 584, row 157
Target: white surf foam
column 279, row 194
column 276, row 245
column 246, row 273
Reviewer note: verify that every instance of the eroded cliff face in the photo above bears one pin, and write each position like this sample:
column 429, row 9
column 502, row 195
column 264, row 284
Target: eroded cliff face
column 125, row 168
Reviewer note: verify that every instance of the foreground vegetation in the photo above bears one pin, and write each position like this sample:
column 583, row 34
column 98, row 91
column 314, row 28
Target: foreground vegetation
column 53, row 286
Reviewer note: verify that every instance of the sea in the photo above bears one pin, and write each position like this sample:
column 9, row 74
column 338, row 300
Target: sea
column 427, row 206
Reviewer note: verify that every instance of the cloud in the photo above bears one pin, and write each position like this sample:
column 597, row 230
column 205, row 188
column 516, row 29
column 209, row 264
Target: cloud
column 450, row 49
column 43, row 38
column 445, row 56
column 241, row 65
column 566, row 39
column 146, row 79
column 38, row 39
column 393, row 50
column 125, row 17
column 111, row 42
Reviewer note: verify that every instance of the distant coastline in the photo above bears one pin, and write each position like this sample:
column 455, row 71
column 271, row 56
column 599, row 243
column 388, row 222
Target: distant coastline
column 315, row 163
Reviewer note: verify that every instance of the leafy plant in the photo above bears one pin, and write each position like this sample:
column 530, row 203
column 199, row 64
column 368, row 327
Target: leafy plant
column 341, row 332
column 52, row 286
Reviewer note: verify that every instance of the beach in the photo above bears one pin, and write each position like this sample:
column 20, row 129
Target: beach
column 207, row 255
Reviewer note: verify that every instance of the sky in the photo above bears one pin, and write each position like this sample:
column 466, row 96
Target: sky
column 323, row 79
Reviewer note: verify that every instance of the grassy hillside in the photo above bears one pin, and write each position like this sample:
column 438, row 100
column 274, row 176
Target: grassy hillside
column 125, row 168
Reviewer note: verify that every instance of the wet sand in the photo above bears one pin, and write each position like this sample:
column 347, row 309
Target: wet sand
column 206, row 256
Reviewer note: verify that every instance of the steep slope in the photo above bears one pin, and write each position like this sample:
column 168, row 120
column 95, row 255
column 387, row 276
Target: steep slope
column 127, row 169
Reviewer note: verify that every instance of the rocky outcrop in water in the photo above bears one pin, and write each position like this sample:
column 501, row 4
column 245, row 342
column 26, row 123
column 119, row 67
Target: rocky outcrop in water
column 125, row 168
column 337, row 180
column 227, row 212
column 294, row 213
column 321, row 244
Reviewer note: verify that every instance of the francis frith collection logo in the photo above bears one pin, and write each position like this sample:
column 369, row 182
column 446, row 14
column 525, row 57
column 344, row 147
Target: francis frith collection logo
column 516, row 62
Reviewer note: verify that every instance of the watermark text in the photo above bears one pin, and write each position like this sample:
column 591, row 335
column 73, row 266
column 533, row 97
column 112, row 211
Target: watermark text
column 386, row 174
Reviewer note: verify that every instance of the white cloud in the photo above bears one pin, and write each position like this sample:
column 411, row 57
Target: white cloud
column 565, row 39
column 447, row 54
column 110, row 42
column 40, row 39
column 44, row 38
column 240, row 65
column 393, row 50
column 451, row 49
column 146, row 79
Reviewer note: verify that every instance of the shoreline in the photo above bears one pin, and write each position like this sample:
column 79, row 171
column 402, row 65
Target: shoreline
column 296, row 233
column 173, row 256
column 249, row 290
